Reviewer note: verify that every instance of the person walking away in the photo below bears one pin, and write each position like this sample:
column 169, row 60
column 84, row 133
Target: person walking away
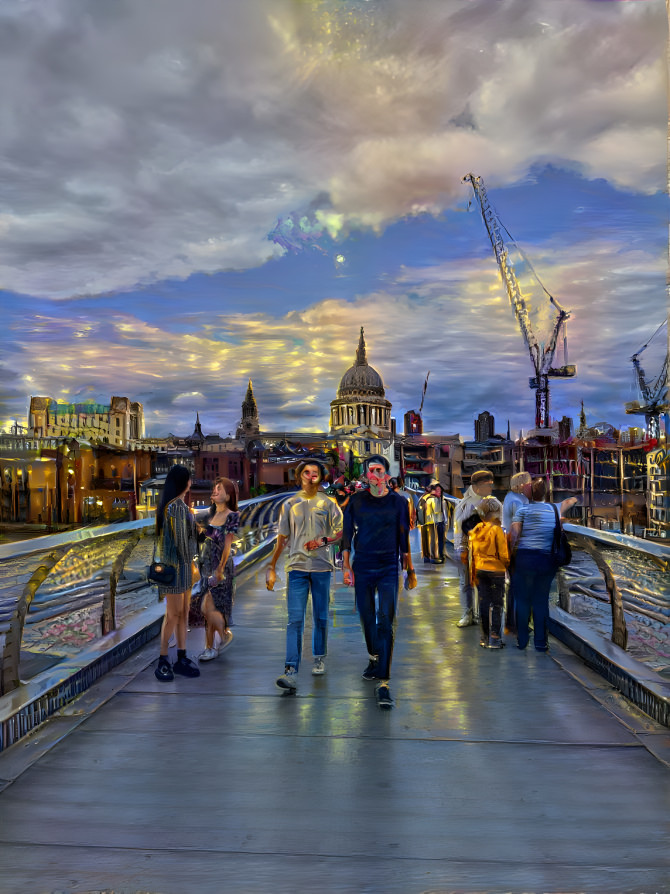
column 422, row 523
column 217, row 567
column 532, row 536
column 177, row 546
column 376, row 527
column 481, row 485
column 490, row 559
column 397, row 486
column 518, row 496
column 410, row 572
column 436, row 513
column 309, row 522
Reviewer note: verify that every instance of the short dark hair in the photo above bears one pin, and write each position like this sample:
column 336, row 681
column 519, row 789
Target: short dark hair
column 376, row 458
column 539, row 490
column 481, row 476
column 300, row 468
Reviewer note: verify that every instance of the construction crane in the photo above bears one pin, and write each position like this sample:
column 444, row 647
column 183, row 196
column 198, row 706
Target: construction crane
column 541, row 355
column 654, row 394
column 423, row 395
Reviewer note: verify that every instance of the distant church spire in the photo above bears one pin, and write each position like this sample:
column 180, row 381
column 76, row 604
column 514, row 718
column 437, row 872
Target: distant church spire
column 361, row 359
column 249, row 424
column 582, row 420
column 197, row 431
column 249, row 399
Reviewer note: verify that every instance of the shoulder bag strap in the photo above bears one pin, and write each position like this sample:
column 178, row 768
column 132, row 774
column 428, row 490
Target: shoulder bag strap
column 557, row 529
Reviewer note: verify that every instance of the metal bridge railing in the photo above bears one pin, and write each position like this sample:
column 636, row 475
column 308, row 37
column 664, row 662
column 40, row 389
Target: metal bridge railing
column 61, row 592
column 619, row 585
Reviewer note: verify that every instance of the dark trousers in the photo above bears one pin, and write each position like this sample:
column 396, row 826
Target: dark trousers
column 425, row 545
column 510, row 607
column 378, row 622
column 436, row 540
column 491, row 590
column 534, row 571
column 440, row 540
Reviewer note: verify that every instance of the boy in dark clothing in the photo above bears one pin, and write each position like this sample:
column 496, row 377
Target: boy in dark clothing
column 376, row 524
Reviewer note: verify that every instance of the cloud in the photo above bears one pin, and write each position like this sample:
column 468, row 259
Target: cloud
column 147, row 141
column 452, row 318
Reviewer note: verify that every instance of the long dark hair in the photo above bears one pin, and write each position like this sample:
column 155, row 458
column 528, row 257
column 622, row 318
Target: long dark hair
column 176, row 483
column 231, row 492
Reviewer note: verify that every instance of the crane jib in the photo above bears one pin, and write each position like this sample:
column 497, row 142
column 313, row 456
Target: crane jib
column 541, row 357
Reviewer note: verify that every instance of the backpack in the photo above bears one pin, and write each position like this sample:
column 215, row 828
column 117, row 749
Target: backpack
column 469, row 524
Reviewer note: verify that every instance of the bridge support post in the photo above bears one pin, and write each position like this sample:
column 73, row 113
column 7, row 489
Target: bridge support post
column 11, row 656
column 108, row 621
column 619, row 629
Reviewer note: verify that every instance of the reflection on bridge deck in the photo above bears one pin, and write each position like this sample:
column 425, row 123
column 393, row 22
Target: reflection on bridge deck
column 496, row 771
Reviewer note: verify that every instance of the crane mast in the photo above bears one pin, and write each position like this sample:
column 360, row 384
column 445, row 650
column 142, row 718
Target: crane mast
column 541, row 358
column 654, row 394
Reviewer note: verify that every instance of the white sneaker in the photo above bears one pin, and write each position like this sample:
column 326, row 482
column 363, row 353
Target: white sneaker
column 319, row 667
column 288, row 679
column 467, row 619
column 208, row 655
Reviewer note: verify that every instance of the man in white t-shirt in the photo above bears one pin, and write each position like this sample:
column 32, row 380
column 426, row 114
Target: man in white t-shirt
column 481, row 485
column 309, row 522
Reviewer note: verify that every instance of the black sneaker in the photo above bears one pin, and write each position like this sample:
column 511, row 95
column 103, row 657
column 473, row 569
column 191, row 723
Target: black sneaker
column 383, row 694
column 164, row 671
column 186, row 667
column 370, row 672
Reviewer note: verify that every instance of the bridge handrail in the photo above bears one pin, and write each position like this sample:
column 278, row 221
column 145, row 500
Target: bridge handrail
column 41, row 555
column 603, row 547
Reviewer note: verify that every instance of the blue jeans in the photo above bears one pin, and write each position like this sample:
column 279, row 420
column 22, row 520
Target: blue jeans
column 533, row 573
column 377, row 622
column 464, row 585
column 299, row 585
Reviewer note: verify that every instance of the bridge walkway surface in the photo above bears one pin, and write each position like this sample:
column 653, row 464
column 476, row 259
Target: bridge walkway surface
column 495, row 771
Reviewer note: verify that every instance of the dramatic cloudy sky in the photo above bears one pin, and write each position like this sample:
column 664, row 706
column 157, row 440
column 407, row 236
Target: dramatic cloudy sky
column 192, row 194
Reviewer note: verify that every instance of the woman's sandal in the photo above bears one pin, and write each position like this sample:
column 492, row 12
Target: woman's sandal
column 227, row 640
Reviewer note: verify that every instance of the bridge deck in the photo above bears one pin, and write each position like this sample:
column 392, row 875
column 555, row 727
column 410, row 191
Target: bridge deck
column 496, row 771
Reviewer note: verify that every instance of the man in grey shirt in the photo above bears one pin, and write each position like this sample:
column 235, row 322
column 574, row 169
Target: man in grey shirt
column 309, row 522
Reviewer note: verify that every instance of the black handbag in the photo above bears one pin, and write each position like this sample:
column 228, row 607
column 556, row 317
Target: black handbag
column 560, row 548
column 161, row 573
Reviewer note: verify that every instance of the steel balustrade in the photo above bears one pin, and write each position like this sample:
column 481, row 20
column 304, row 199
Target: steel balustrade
column 60, row 592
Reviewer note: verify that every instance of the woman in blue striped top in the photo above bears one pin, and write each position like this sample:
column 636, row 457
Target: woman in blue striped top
column 531, row 539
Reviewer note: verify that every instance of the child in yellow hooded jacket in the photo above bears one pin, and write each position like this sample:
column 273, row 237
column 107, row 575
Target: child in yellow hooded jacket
column 489, row 562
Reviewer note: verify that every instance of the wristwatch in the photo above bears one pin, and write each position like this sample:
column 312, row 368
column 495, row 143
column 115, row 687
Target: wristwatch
column 324, row 540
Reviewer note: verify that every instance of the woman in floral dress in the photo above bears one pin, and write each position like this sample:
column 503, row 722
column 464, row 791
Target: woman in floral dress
column 216, row 566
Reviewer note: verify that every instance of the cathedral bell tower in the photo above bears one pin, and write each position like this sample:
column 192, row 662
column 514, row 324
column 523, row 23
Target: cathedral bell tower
column 249, row 425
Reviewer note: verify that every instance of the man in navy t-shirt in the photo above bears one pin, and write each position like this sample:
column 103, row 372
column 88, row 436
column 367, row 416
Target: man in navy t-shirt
column 376, row 526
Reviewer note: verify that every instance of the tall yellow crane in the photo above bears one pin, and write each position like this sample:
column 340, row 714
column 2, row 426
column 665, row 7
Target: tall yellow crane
column 541, row 355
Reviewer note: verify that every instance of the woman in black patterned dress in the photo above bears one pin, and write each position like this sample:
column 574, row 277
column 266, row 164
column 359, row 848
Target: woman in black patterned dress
column 176, row 536
column 217, row 567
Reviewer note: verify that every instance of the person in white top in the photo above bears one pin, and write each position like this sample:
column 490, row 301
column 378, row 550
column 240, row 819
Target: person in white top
column 309, row 522
column 481, row 485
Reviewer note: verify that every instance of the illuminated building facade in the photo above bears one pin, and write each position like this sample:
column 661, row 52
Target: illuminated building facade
column 118, row 423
